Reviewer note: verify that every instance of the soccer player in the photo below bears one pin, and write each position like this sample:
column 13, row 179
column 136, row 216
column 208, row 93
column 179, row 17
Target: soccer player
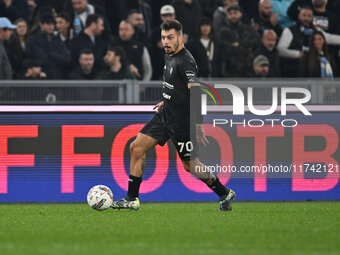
column 172, row 121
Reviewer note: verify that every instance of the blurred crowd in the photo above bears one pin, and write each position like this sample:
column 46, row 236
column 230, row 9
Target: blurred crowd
column 116, row 39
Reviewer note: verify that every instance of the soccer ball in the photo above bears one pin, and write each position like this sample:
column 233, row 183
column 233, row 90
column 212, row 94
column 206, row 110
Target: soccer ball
column 100, row 197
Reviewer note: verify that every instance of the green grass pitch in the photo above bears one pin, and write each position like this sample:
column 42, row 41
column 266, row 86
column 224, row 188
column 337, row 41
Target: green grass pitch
column 172, row 228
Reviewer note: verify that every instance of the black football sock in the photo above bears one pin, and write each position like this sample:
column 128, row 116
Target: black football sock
column 134, row 184
column 219, row 189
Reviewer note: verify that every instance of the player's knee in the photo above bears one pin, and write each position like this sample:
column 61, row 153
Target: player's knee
column 136, row 150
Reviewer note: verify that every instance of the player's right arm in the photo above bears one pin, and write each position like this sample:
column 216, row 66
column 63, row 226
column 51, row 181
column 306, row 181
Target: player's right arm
column 158, row 106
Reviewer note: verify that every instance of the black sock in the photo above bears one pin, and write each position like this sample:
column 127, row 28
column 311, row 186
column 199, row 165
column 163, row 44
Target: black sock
column 134, row 184
column 219, row 189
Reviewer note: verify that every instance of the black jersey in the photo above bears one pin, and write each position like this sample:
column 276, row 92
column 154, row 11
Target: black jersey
column 179, row 71
column 173, row 121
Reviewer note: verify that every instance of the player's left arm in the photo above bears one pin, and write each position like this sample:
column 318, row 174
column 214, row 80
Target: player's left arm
column 190, row 74
column 200, row 135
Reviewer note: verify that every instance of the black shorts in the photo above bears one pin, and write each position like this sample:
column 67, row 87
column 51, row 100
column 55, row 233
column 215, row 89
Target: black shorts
column 158, row 129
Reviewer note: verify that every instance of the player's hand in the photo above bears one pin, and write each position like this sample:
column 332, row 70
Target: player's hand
column 158, row 106
column 200, row 135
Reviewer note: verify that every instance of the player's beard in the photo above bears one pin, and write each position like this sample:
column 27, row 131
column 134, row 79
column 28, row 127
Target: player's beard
column 175, row 47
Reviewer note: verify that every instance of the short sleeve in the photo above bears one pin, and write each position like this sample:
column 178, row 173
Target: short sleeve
column 189, row 72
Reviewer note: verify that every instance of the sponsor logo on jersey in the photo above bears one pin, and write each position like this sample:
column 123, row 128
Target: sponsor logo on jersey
column 168, row 85
column 166, row 96
column 190, row 75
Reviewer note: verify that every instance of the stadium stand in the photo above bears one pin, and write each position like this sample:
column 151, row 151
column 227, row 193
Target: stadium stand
column 261, row 15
